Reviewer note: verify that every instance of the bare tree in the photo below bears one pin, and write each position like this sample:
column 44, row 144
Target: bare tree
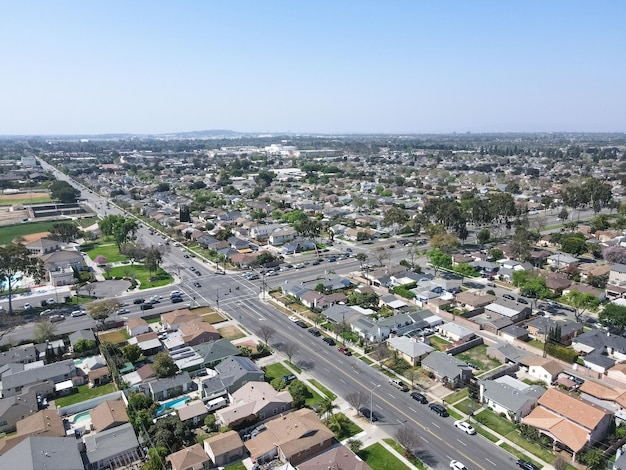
column 265, row 333
column 89, row 287
column 290, row 349
column 411, row 374
column 409, row 439
column 381, row 255
column 356, row 399
column 381, row 352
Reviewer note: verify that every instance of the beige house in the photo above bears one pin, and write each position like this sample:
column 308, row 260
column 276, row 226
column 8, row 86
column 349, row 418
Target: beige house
column 254, row 401
column 225, row 448
column 546, row 370
column 174, row 320
column 108, row 414
column 190, row 458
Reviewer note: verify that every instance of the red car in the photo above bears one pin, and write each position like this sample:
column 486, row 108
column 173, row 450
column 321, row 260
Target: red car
column 345, row 351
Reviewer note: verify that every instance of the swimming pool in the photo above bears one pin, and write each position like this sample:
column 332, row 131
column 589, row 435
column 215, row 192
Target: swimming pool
column 176, row 403
column 82, row 416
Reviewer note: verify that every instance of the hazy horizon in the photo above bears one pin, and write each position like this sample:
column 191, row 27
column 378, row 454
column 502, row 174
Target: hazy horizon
column 328, row 68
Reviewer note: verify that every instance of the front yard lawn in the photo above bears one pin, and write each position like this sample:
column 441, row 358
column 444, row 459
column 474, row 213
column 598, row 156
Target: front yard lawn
column 531, row 447
column 236, row 466
column 352, row 429
column 142, row 275
column 500, row 425
column 398, row 448
column 107, row 249
column 276, row 371
column 520, row 455
column 85, row 393
column 379, row 458
column 456, row 396
column 231, row 332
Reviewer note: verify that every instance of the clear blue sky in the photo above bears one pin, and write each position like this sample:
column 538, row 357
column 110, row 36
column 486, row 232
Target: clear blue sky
column 78, row 67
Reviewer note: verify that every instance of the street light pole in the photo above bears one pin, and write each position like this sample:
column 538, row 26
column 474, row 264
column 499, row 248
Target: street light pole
column 372, row 402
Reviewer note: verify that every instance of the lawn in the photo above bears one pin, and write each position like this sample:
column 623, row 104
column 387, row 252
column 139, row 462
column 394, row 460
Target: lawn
column 478, row 355
column 276, row 371
column 438, row 343
column 398, row 448
column 85, row 393
column 323, row 389
column 231, row 332
column 500, row 425
column 456, row 396
column 214, row 317
column 531, row 447
column 352, row 429
column 520, row 455
column 87, row 221
column 9, row 232
column 39, row 199
column 236, row 466
column 141, row 274
column 114, row 337
column 107, row 249
column 379, row 458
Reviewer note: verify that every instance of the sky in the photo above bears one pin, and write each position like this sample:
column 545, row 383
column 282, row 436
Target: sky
column 82, row 67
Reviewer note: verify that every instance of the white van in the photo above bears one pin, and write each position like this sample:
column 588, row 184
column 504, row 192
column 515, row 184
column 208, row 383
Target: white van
column 216, row 404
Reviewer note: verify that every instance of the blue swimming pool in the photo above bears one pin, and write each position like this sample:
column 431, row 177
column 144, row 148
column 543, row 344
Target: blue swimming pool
column 167, row 405
column 82, row 416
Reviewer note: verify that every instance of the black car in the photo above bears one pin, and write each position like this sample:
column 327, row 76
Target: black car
column 521, row 300
column 176, row 300
column 301, row 324
column 329, row 341
column 366, row 413
column 508, row 296
column 419, row 397
column 315, row 332
column 197, row 284
column 440, row 410
column 146, row 306
column 289, row 378
column 526, row 465
column 138, row 301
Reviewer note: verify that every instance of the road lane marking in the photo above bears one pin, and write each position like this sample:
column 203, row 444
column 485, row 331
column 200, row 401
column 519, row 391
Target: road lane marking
column 490, row 462
column 414, row 411
column 462, row 442
column 436, row 425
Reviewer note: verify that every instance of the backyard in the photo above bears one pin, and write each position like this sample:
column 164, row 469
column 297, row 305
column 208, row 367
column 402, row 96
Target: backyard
column 85, row 393
column 478, row 356
column 439, row 343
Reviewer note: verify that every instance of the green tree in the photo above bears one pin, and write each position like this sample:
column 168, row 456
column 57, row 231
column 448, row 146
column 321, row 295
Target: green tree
column 102, row 309
column 496, row 253
column 445, row 242
column 593, row 458
column 209, row 422
column 438, row 259
column 581, row 302
column 354, row 445
column 164, row 365
column 63, row 191
column 613, row 316
column 156, row 458
column 325, row 409
column 563, row 215
column 339, row 424
column 299, row 393
column 483, row 236
column 84, row 345
column 465, row 270
column 131, row 353
column 394, row 216
column 153, row 260
column 65, row 232
column 16, row 261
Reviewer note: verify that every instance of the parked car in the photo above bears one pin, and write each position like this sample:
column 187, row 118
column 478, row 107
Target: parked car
column 508, row 296
column 399, row 384
column 78, row 313
column 332, row 259
column 301, row 324
column 122, row 311
column 521, row 300
column 526, row 465
column 344, row 351
column 465, row 427
column 315, row 332
column 289, row 378
column 440, row 410
column 367, row 413
column 45, row 312
column 419, row 398
column 197, row 284
column 329, row 341
column 293, row 319
column 27, row 306
column 55, row 318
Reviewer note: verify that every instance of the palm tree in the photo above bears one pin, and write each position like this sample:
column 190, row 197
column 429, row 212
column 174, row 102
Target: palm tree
column 325, row 409
column 338, row 424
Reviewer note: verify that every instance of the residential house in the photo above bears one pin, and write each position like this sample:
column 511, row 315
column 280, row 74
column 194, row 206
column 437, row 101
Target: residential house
column 14, row 380
column 510, row 396
column 115, row 447
column 82, row 335
column 543, row 369
column 562, row 261
column 190, row 458
column 455, row 332
column 253, row 401
column 137, row 326
column 293, row 437
column 175, row 319
column 410, row 349
column 23, row 354
column 503, row 308
column 600, row 344
column 557, row 282
column 148, row 342
column 169, row 387
column 17, row 407
column 335, row 458
column 43, row 246
column 506, row 353
column 617, row 275
column 232, row 373
column 541, row 327
column 216, row 351
column 108, row 414
column 617, row 374
column 282, row 236
column 193, row 413
column 43, row 452
column 99, row 377
column 198, row 332
column 447, row 369
column 612, row 399
column 572, row 422
column 585, row 289
column 225, row 448
column 471, row 300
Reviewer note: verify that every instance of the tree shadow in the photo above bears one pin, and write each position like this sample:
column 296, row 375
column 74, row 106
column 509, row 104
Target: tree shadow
column 426, row 457
column 306, row 365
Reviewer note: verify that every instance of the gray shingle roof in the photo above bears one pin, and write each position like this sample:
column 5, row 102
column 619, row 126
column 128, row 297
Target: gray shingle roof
column 103, row 445
column 39, row 453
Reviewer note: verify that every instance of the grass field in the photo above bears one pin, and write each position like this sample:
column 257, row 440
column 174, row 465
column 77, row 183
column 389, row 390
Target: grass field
column 439, row 343
column 85, row 393
column 107, row 249
column 323, row 389
column 236, row 466
column 87, row 221
column 276, row 371
column 379, row 458
column 500, row 425
column 114, row 337
column 141, row 274
column 9, row 232
column 214, row 317
column 40, row 198
column 231, row 333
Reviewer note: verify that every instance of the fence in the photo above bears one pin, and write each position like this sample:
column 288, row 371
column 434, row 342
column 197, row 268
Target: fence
column 465, row 346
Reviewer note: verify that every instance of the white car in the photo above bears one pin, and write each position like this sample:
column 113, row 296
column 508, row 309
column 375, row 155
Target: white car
column 465, row 427
column 78, row 313
column 293, row 319
column 456, row 465
column 27, row 306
